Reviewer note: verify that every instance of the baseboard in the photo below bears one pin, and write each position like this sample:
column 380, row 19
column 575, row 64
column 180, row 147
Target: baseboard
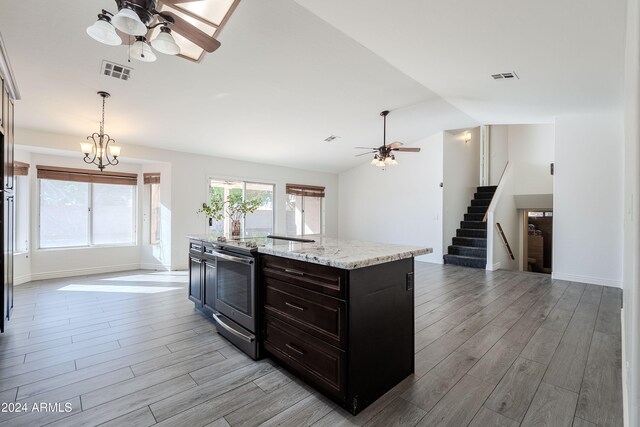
column 625, row 374
column 587, row 279
column 21, row 279
column 157, row 267
column 429, row 261
column 494, row 267
column 84, row 271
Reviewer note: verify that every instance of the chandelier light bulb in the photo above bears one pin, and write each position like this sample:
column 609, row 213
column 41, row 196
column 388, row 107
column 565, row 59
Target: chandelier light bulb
column 115, row 150
column 141, row 51
column 86, row 148
column 103, row 31
column 129, row 22
column 165, row 43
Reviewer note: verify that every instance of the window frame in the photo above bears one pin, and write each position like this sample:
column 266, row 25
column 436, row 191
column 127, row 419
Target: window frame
column 134, row 213
column 303, row 214
column 243, row 182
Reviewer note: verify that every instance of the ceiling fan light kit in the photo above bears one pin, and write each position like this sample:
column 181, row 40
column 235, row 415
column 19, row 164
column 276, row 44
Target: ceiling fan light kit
column 383, row 155
column 137, row 22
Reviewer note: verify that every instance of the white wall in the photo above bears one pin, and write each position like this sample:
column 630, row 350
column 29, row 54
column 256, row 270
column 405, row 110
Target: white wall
column 498, row 152
column 22, row 256
column 631, row 270
column 503, row 211
column 531, row 151
column 461, row 177
column 587, row 226
column 402, row 204
column 188, row 189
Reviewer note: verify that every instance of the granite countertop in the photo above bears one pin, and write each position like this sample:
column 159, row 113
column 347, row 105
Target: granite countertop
column 346, row 254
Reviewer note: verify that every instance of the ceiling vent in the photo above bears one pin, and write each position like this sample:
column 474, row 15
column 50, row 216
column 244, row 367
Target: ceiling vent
column 331, row 138
column 501, row 76
column 116, row 70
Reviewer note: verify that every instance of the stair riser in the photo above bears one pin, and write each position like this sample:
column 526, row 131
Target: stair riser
column 477, row 209
column 476, row 225
column 468, row 251
column 481, row 202
column 474, row 216
column 468, row 232
column 487, row 189
column 464, row 241
column 485, row 195
column 474, row 263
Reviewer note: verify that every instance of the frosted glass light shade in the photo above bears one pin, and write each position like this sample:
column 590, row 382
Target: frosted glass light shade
column 142, row 52
column 86, row 147
column 164, row 43
column 129, row 22
column 104, row 32
column 115, row 150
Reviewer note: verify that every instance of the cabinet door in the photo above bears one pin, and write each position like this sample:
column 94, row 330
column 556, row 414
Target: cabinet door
column 8, row 148
column 9, row 249
column 195, row 280
column 3, row 111
column 209, row 283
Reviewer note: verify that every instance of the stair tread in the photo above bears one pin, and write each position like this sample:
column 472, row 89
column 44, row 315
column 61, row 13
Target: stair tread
column 467, row 257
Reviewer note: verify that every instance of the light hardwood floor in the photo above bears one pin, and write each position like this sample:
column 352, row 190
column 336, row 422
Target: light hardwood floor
column 492, row 349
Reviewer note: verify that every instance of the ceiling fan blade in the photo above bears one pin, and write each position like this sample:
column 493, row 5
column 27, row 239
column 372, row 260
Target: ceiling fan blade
column 364, row 154
column 191, row 33
column 395, row 144
column 408, row 149
column 366, row 148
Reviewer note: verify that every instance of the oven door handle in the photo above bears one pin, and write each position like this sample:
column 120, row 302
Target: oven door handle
column 233, row 258
column 229, row 329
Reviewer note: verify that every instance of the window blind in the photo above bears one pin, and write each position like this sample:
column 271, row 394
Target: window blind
column 305, row 190
column 151, row 177
column 20, row 169
column 85, row 175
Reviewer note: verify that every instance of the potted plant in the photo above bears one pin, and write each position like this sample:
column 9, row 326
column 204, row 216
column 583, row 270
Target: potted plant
column 238, row 208
column 235, row 207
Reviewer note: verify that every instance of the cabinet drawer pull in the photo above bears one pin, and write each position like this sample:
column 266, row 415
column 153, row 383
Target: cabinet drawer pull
column 297, row 307
column 198, row 261
column 294, row 349
column 296, row 272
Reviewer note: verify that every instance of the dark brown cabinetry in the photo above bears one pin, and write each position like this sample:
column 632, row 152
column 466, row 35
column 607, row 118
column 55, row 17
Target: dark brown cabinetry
column 349, row 333
column 202, row 276
column 7, row 95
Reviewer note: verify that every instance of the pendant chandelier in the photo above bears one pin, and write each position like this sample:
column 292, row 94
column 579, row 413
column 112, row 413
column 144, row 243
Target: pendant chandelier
column 100, row 149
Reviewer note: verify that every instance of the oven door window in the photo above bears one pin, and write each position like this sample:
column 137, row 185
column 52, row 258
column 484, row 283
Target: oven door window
column 234, row 285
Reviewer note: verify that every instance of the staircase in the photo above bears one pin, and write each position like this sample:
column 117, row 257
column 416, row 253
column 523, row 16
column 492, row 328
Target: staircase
column 469, row 248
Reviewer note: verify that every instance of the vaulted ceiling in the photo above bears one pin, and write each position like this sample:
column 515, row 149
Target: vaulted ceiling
column 291, row 73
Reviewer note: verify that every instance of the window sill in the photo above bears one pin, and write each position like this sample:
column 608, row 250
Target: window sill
column 74, row 248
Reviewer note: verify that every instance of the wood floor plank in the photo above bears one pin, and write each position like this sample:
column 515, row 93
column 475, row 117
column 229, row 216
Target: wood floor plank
column 542, row 345
column 273, row 380
column 482, row 341
column 398, row 413
column 600, row 400
column 267, row 406
column 487, row 418
column 515, row 391
column 566, row 368
column 551, row 406
column 140, row 418
column 33, row 375
column 304, row 413
column 460, row 405
column 558, row 319
column 435, row 353
column 497, row 361
column 428, row 390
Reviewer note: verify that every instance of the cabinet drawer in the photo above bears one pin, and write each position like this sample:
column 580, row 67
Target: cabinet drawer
column 195, row 247
column 319, row 278
column 314, row 360
column 319, row 315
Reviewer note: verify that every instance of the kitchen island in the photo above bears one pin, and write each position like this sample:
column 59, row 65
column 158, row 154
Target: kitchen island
column 337, row 313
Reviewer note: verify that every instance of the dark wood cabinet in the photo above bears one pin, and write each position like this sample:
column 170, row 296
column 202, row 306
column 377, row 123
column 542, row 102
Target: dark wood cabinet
column 195, row 279
column 209, row 277
column 7, row 202
column 349, row 333
column 202, row 276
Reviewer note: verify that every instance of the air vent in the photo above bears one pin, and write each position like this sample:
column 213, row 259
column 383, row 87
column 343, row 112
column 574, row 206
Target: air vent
column 116, row 70
column 331, row 138
column 500, row 76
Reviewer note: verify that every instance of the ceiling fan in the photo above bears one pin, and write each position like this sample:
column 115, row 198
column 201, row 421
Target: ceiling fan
column 384, row 154
column 137, row 21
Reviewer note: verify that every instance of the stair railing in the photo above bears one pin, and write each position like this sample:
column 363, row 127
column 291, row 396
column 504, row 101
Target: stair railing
column 504, row 240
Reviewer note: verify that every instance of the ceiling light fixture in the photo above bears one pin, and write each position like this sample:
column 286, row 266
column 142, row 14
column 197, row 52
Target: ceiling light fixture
column 100, row 150
column 384, row 154
column 137, row 19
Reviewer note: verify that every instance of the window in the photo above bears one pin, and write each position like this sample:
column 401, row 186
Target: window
column 99, row 211
column 256, row 224
column 305, row 210
column 153, row 180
